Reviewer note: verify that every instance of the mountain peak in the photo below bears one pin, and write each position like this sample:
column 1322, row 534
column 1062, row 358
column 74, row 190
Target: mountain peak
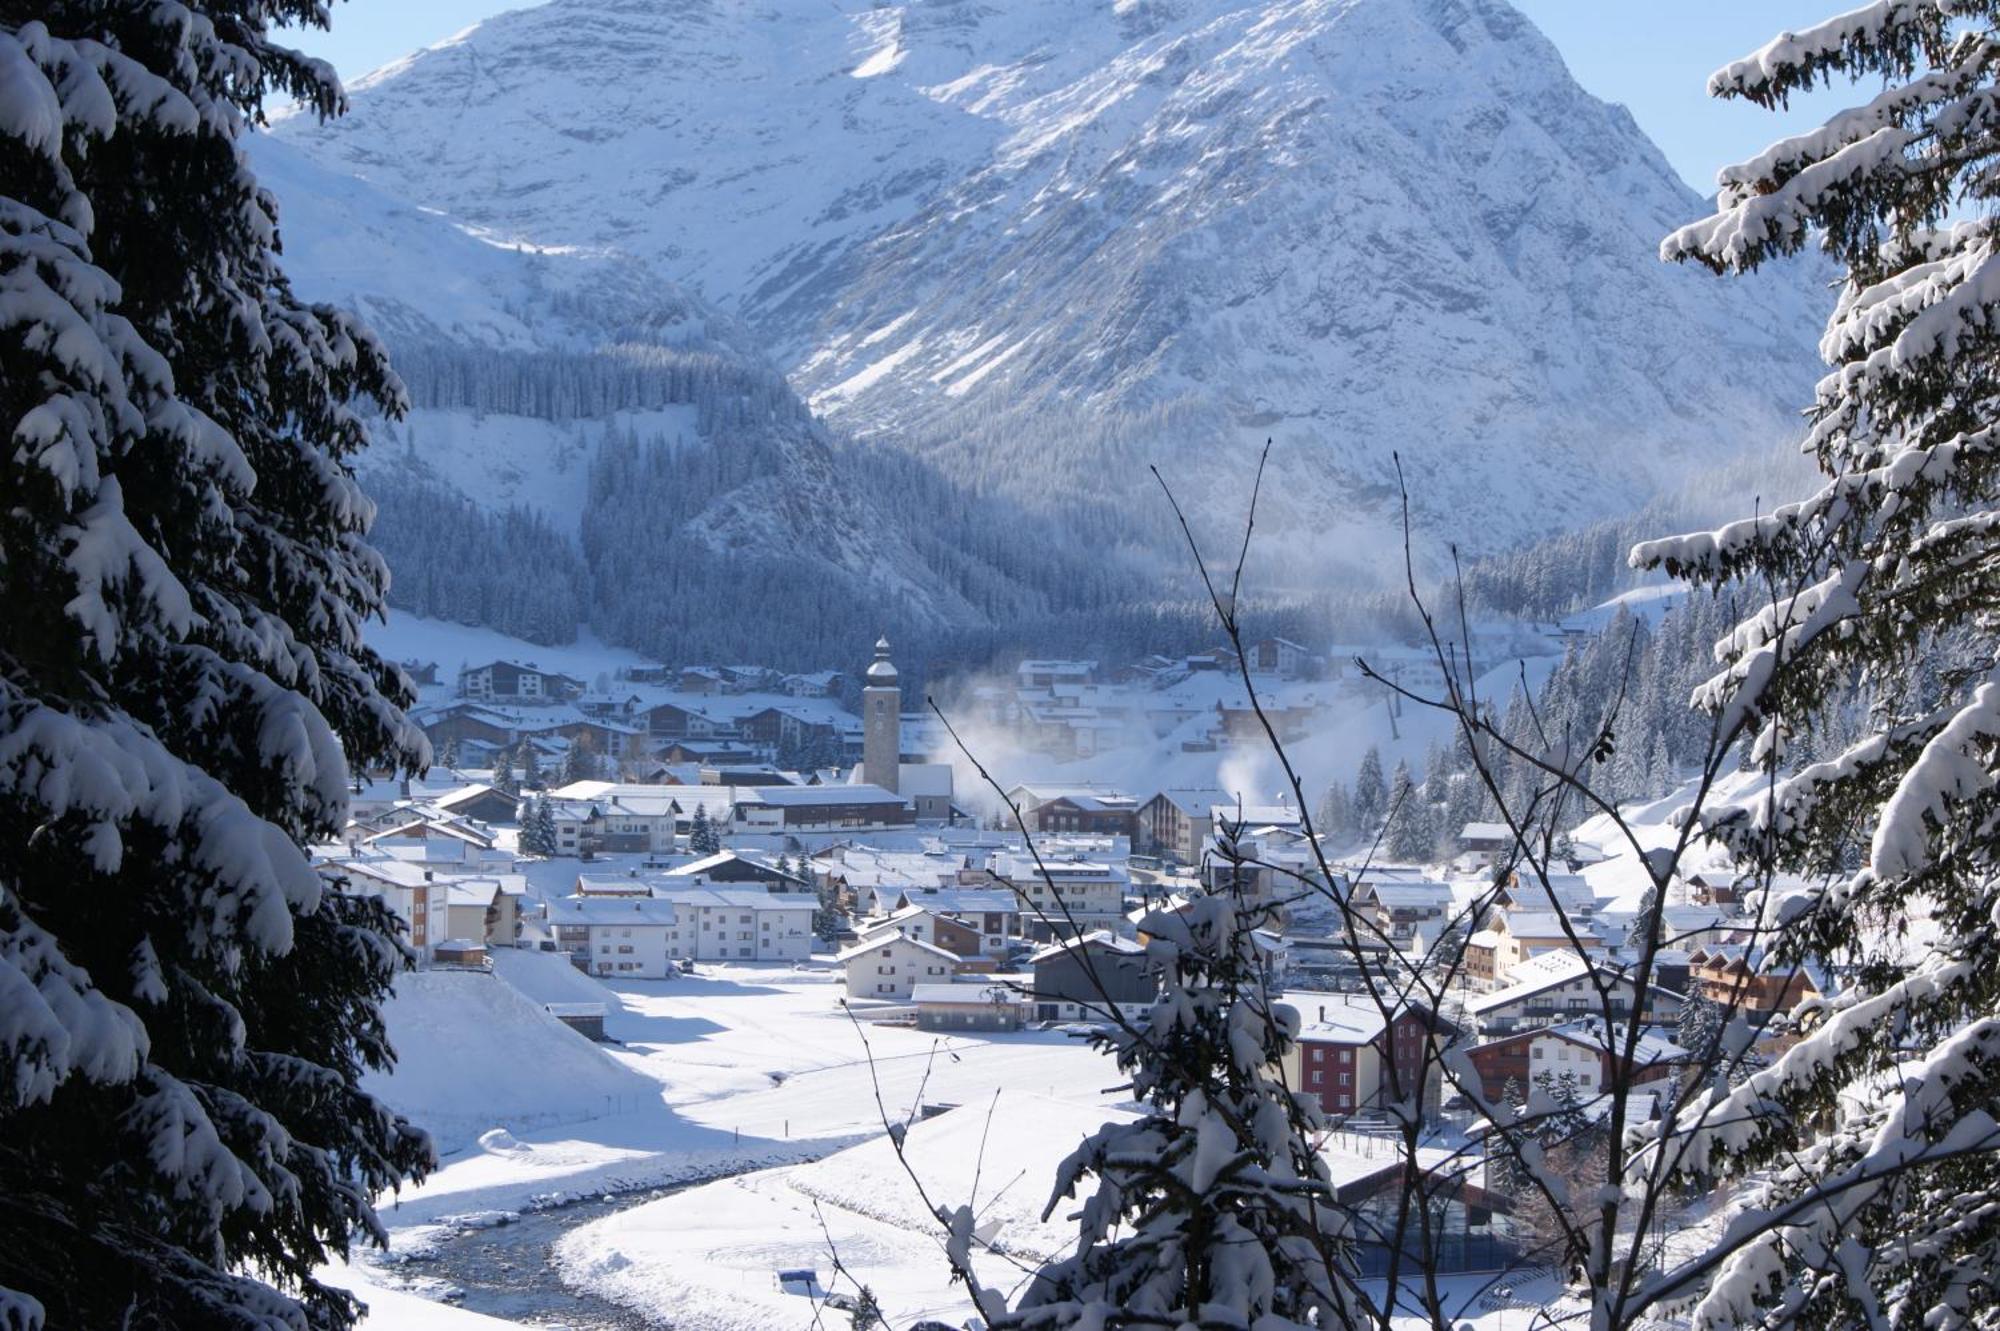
column 1045, row 242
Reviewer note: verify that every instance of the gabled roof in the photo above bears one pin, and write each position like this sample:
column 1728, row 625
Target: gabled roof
column 1532, row 977
column 1194, row 801
column 1100, row 938
column 710, row 863
column 962, row 900
column 1653, row 1045
column 863, row 948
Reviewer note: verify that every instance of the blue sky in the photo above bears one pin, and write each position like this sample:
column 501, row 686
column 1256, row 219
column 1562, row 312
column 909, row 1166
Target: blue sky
column 1652, row 57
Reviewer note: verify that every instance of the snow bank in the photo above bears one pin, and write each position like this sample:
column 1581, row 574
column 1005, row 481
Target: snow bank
column 706, row 1258
column 474, row 1052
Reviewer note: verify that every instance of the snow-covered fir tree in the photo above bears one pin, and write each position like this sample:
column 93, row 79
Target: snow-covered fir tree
column 538, row 828
column 1371, row 793
column 1870, row 1151
column 186, row 1006
column 1213, row 1209
column 1335, row 818
column 703, row 838
column 579, row 762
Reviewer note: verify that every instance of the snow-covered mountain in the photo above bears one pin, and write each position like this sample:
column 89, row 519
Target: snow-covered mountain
column 525, row 364
column 1044, row 242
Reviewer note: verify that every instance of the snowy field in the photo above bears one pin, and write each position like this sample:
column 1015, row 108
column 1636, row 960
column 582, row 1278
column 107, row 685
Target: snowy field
column 710, row 1074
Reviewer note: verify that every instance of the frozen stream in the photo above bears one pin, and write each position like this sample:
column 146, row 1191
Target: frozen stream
column 508, row 1271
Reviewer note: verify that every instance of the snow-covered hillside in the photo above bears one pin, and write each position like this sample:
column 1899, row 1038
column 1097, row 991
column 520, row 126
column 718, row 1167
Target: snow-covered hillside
column 522, row 361
column 1045, row 242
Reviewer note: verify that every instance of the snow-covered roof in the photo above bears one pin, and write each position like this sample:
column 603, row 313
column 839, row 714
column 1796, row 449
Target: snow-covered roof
column 958, row 994
column 1337, row 1018
column 710, row 863
column 1544, row 924
column 1022, row 867
column 1653, row 1046
column 1255, row 815
column 1531, row 977
column 636, row 912
column 815, row 796
column 880, row 941
column 1194, row 801
column 1102, row 938
column 734, row 898
column 963, row 900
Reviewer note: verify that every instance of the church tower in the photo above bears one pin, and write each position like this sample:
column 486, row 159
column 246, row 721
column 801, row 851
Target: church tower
column 881, row 722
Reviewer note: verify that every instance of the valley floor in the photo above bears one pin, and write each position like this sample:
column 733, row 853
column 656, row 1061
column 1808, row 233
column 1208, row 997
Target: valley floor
column 742, row 1068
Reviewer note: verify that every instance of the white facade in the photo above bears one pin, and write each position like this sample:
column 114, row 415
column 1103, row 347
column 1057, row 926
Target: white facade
column 890, row 967
column 742, row 924
column 636, row 938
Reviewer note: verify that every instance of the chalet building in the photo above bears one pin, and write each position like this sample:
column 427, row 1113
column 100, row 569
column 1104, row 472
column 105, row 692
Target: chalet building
column 1279, row 656
column 1530, row 891
column 1480, row 962
column 957, row 937
column 422, row 822
column 1237, row 721
column 1175, row 824
column 602, row 818
column 1030, row 796
column 1485, row 844
column 1534, row 933
column 1723, row 976
column 1560, row 987
column 1716, row 887
column 1091, row 977
column 481, row 803
column 485, row 909
column 1094, row 815
column 1063, row 897
column 466, row 724
column 794, row 726
column 993, row 1006
column 1350, row 1056
column 888, row 968
column 1580, row 1049
column 929, row 789
column 742, row 868
column 1408, row 911
column 487, row 727
column 509, row 681
column 701, row 753
column 994, row 913
column 1047, row 674
column 668, row 721
column 818, row 684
